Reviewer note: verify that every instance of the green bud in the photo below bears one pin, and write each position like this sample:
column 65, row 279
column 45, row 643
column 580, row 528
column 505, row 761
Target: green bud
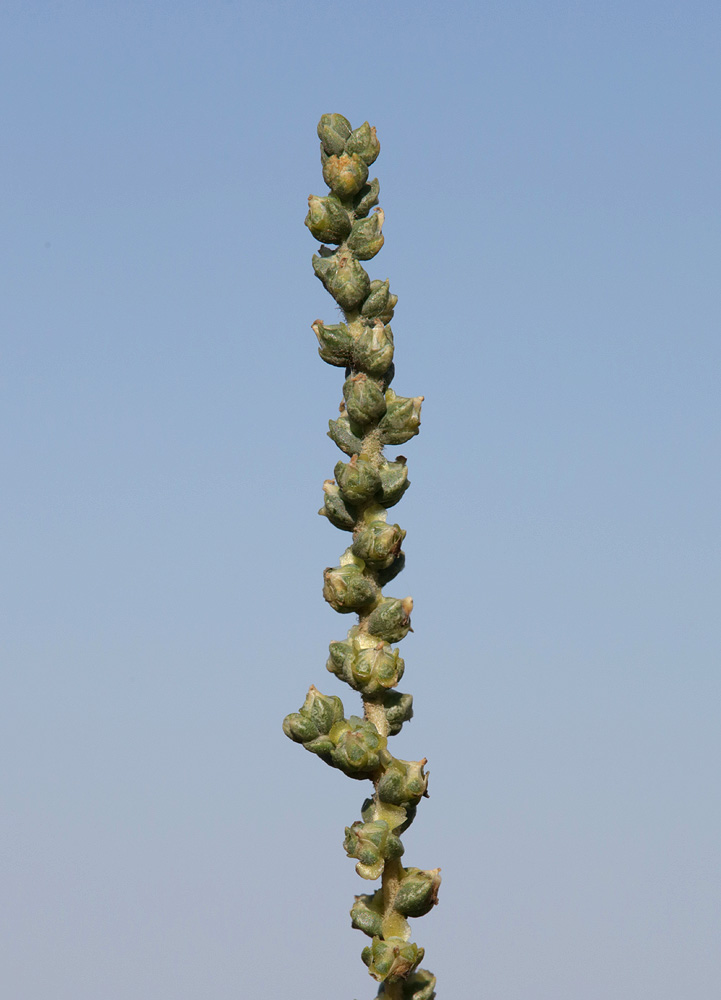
column 372, row 670
column 403, row 782
column 364, row 142
column 317, row 717
column 299, row 728
column 366, row 238
column 358, row 480
column 339, row 651
column 333, row 130
column 380, row 303
column 324, row 710
column 367, row 913
column 373, row 350
column 357, row 747
column 378, row 543
column 391, row 620
column 378, row 299
column 366, row 199
column 345, row 175
column 343, row 277
column 372, row 844
column 364, row 399
column 394, row 481
column 339, row 659
column 346, row 589
column 338, row 512
column 418, row 892
column 398, row 709
column 402, row 419
column 376, row 669
column 335, row 343
column 327, row 220
column 392, row 959
column 420, row 985
column 341, row 432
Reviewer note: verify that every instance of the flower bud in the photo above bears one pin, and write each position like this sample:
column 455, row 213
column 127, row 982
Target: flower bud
column 346, row 589
column 364, row 400
column 358, row 480
column 372, row 844
column 311, row 725
column 402, row 418
column 420, row 985
column 335, row 343
column 378, row 543
column 299, row 727
column 345, row 175
column 391, row 620
column 357, row 747
column 380, row 303
column 366, row 199
column 327, row 220
column 341, row 432
column 398, row 709
column 392, row 959
column 418, row 892
column 333, row 130
column 376, row 669
column 366, row 238
column 367, row 913
column 373, row 350
column 378, row 299
column 338, row 512
column 339, row 651
column 343, row 277
column 403, row 782
column 364, row 142
column 394, row 481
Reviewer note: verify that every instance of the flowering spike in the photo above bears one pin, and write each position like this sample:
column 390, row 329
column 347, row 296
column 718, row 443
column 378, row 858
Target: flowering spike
column 357, row 500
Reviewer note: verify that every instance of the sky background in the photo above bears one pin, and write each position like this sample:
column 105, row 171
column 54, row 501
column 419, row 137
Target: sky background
column 550, row 177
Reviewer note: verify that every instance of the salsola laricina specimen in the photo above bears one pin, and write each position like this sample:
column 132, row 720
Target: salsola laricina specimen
column 357, row 501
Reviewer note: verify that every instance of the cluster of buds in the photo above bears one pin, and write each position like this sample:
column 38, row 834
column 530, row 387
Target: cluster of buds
column 352, row 745
column 348, row 224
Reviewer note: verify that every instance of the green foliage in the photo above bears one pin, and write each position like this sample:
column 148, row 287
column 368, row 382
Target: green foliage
column 371, row 416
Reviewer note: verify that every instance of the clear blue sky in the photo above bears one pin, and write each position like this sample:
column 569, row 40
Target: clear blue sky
column 550, row 177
